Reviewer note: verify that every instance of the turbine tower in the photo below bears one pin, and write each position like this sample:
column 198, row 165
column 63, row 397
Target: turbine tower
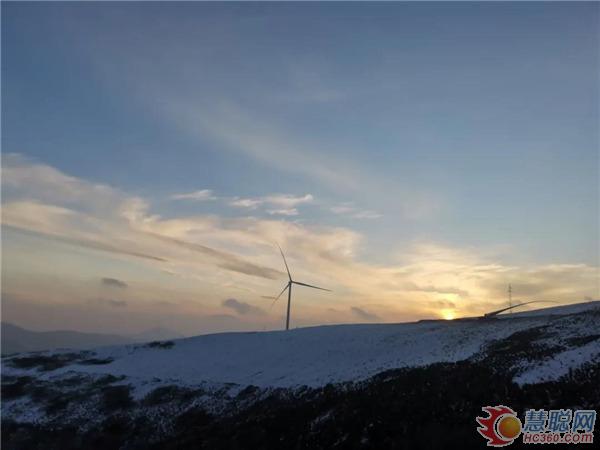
column 288, row 286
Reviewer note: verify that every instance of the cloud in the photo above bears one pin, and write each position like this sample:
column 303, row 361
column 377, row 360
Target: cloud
column 242, row 258
column 246, row 132
column 221, row 119
column 242, row 308
column 443, row 304
column 364, row 314
column 259, row 138
column 436, row 289
column 49, row 221
column 113, row 282
column 202, row 195
column 549, row 282
column 225, row 260
column 281, row 204
column 288, row 201
column 283, row 212
column 83, row 218
column 250, row 203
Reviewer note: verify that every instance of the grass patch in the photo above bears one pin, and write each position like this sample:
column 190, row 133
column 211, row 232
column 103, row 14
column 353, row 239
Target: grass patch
column 582, row 340
column 116, row 397
column 248, row 392
column 16, row 389
column 166, row 394
column 95, row 361
column 73, row 381
column 519, row 346
column 44, row 363
column 107, row 379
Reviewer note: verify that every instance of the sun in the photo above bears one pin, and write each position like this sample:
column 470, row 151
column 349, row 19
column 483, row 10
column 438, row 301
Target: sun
column 448, row 314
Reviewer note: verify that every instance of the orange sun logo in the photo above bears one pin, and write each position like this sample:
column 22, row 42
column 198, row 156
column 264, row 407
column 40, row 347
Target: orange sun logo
column 500, row 427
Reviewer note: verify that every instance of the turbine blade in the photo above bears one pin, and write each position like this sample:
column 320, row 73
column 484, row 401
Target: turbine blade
column 280, row 294
column 495, row 313
column 285, row 262
column 311, row 286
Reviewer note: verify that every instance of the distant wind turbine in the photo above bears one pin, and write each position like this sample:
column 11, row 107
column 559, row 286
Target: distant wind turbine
column 288, row 286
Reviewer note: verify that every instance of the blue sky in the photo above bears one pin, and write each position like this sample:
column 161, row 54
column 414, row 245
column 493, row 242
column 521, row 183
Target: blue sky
column 467, row 127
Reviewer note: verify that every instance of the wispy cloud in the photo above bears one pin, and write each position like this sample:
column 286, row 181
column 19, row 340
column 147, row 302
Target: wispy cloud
column 242, row 256
column 232, row 120
column 288, row 201
column 281, row 204
column 114, row 282
column 260, row 139
column 242, row 308
column 202, row 195
column 347, row 209
column 251, row 203
column 282, row 200
column 84, row 218
column 438, row 289
column 355, row 213
column 223, row 259
column 283, row 212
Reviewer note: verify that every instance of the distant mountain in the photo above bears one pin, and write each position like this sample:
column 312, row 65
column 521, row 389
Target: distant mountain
column 17, row 339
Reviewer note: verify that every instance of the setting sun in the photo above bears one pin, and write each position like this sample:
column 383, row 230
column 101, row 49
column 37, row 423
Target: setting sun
column 448, row 314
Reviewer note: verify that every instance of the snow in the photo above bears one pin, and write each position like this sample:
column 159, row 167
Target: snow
column 312, row 356
column 218, row 367
column 559, row 365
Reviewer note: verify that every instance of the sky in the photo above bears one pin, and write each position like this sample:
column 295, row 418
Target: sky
column 414, row 158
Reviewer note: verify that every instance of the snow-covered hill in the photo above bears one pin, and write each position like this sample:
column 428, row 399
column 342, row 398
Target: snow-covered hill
column 312, row 356
column 160, row 384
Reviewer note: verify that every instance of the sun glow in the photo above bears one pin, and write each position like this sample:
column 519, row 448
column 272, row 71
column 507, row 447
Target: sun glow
column 448, row 314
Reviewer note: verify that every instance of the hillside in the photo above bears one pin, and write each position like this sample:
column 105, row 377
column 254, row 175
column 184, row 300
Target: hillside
column 217, row 377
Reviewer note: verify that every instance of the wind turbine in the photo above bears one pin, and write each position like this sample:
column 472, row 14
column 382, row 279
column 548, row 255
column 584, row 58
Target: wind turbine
column 288, row 286
column 510, row 308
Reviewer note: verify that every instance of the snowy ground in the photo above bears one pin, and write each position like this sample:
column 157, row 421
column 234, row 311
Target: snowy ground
column 319, row 355
column 214, row 387
column 256, row 376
